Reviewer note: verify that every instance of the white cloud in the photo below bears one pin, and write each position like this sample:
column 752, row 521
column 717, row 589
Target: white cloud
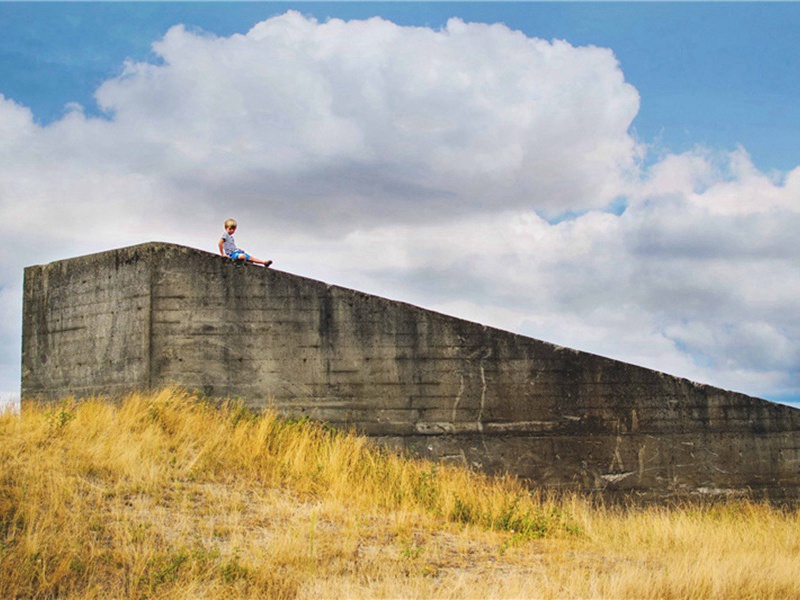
column 382, row 118
column 421, row 164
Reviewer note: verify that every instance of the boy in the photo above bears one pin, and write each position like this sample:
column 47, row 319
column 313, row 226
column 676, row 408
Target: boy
column 227, row 246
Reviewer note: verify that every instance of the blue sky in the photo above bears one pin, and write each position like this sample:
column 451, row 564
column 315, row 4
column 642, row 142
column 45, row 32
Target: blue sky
column 620, row 177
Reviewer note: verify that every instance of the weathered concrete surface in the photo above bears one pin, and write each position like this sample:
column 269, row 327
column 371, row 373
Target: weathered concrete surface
column 154, row 314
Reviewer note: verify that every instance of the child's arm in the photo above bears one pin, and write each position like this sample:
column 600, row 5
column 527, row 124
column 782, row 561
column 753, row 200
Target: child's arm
column 221, row 251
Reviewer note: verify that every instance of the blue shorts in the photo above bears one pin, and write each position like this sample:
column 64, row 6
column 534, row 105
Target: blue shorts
column 237, row 254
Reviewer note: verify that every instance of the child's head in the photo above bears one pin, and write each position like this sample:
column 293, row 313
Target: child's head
column 230, row 225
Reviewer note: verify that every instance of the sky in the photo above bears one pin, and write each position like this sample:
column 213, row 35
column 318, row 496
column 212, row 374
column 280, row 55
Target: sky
column 620, row 178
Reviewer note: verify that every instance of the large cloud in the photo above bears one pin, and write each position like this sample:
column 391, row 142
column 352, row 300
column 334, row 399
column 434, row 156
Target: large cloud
column 318, row 120
column 424, row 165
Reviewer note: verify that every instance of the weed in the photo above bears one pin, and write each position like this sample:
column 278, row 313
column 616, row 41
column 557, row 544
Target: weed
column 426, row 489
column 232, row 571
column 164, row 568
column 61, row 416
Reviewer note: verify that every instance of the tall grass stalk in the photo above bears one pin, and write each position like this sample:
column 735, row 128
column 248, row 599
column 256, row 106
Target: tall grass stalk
column 167, row 495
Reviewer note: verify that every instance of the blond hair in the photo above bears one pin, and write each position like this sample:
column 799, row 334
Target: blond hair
column 230, row 222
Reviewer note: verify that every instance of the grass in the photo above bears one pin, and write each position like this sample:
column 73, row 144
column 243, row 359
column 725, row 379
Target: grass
column 166, row 495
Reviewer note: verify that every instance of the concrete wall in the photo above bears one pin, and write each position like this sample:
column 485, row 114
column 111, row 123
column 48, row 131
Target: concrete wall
column 443, row 387
column 86, row 326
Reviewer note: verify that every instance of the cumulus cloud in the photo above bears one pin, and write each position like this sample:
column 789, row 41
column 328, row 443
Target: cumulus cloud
column 469, row 169
column 392, row 121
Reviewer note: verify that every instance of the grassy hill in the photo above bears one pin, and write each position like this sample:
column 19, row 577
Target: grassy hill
column 170, row 496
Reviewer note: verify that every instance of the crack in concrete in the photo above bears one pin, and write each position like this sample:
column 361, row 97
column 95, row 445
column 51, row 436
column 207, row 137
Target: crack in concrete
column 458, row 397
column 485, row 353
column 616, row 460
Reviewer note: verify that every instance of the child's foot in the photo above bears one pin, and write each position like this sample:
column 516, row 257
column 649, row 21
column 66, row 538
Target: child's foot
column 268, row 263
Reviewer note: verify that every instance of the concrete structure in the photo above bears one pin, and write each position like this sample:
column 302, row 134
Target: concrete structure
column 153, row 314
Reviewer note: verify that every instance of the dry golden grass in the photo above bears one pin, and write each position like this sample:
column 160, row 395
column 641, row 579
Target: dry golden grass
column 168, row 496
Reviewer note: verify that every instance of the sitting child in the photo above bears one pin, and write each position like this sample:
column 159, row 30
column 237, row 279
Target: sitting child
column 227, row 246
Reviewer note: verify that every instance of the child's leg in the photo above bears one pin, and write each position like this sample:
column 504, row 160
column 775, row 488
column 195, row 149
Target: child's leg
column 258, row 261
